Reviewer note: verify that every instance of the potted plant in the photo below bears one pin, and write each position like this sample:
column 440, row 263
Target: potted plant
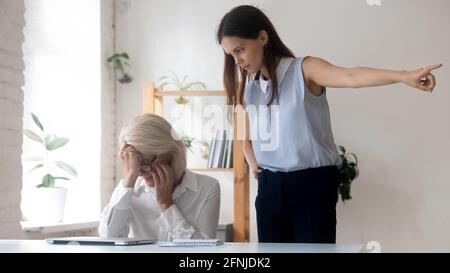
column 204, row 150
column 187, row 141
column 120, row 64
column 347, row 172
column 183, row 85
column 47, row 201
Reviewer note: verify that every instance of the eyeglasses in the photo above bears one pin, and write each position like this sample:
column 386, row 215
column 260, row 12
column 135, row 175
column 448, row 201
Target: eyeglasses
column 146, row 165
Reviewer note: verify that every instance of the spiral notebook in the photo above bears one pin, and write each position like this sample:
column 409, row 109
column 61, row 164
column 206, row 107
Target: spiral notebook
column 192, row 242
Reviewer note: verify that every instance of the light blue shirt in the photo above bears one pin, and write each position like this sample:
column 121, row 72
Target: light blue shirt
column 294, row 133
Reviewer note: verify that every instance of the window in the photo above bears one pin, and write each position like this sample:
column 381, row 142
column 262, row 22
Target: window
column 62, row 55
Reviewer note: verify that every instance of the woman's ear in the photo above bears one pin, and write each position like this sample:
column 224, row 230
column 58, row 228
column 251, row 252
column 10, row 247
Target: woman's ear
column 263, row 37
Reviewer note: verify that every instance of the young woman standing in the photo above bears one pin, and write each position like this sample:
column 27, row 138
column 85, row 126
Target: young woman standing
column 297, row 178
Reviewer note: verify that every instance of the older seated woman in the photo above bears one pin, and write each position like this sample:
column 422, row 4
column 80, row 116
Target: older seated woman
column 157, row 196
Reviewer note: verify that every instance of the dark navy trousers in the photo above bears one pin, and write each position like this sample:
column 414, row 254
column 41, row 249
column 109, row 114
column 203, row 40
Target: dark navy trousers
column 298, row 206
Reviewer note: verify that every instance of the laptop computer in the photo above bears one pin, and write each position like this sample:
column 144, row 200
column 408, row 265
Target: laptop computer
column 101, row 241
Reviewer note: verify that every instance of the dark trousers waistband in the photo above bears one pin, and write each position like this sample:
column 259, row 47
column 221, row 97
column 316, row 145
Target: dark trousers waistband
column 305, row 172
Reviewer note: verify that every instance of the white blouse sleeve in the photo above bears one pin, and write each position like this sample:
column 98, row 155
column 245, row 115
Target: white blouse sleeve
column 173, row 221
column 114, row 219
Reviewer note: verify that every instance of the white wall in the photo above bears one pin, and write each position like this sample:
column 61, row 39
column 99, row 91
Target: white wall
column 400, row 135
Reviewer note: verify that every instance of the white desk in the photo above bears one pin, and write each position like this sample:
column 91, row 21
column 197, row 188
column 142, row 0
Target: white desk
column 41, row 246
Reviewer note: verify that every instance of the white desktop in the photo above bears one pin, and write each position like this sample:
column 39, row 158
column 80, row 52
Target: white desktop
column 41, row 246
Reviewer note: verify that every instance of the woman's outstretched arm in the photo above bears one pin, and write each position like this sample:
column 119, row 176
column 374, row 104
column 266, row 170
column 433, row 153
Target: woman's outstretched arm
column 322, row 73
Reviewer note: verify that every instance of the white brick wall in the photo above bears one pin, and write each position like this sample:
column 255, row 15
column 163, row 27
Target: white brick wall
column 108, row 165
column 11, row 111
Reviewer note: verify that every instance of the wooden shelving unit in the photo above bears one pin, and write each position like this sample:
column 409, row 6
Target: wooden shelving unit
column 153, row 103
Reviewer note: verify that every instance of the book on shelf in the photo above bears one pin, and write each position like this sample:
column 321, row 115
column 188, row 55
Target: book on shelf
column 211, row 152
column 218, row 151
column 224, row 150
column 229, row 153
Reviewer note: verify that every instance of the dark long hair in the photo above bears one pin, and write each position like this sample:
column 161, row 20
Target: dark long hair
column 247, row 22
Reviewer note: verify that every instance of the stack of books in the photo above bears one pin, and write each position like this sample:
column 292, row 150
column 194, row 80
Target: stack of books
column 221, row 150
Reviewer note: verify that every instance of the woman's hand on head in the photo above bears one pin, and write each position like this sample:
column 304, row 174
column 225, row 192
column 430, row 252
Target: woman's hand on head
column 131, row 159
column 422, row 78
column 164, row 185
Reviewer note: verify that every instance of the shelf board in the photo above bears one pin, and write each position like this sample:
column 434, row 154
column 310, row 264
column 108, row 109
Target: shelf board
column 213, row 170
column 189, row 93
column 58, row 227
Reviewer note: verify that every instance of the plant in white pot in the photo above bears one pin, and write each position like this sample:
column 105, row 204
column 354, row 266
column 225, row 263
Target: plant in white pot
column 204, row 149
column 46, row 201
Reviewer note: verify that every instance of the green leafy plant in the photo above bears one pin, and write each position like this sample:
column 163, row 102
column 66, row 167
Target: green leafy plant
column 204, row 149
column 187, row 141
column 119, row 62
column 347, row 172
column 49, row 143
column 183, row 85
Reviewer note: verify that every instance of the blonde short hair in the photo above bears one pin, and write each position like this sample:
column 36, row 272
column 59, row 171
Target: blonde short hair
column 152, row 136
